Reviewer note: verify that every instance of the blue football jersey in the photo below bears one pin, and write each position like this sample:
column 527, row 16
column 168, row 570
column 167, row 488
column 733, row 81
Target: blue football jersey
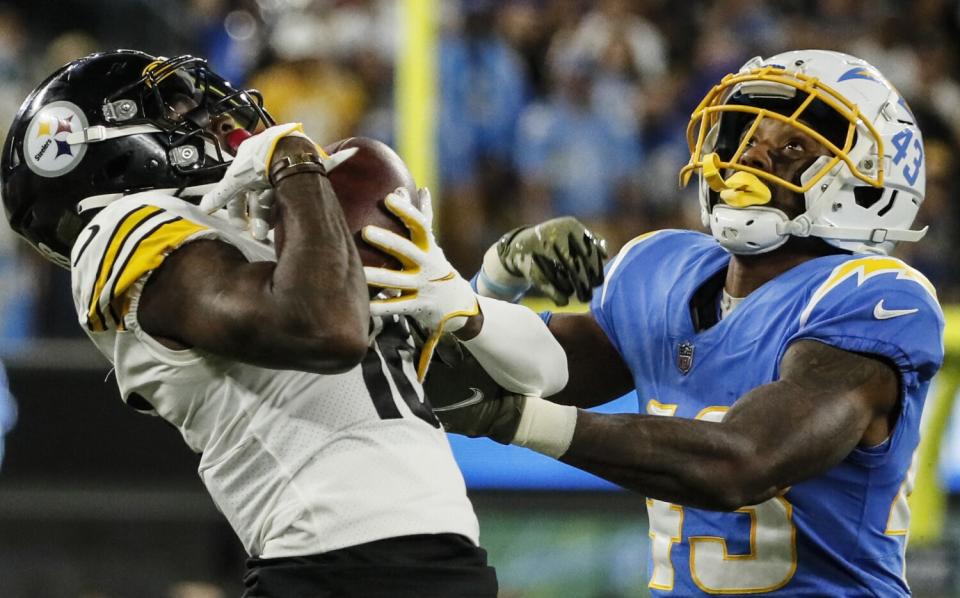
column 840, row 534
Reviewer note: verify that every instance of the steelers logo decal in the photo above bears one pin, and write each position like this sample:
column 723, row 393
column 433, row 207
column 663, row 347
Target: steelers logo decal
column 46, row 148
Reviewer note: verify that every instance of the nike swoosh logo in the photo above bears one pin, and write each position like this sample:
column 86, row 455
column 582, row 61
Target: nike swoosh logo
column 885, row 314
column 475, row 397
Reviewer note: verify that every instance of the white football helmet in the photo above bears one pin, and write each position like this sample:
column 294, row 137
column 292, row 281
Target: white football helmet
column 861, row 198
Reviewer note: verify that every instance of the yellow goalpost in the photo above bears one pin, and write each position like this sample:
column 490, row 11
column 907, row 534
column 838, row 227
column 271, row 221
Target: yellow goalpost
column 416, row 90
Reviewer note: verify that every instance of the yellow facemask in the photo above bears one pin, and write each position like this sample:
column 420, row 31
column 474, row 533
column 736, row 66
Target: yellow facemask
column 745, row 186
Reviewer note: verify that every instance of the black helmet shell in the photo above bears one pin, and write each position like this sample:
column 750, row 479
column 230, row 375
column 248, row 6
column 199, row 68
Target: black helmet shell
column 52, row 159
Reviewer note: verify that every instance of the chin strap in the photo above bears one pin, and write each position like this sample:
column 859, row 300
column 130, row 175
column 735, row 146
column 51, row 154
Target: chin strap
column 99, row 133
column 743, row 223
column 759, row 229
column 802, row 227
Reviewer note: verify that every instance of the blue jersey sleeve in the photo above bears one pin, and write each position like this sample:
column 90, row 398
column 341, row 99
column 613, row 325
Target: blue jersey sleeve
column 879, row 306
column 601, row 309
column 633, row 270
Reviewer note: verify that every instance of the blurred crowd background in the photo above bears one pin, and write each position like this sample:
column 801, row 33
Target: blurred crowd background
column 546, row 107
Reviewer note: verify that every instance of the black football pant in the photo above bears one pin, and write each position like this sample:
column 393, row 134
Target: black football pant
column 423, row 566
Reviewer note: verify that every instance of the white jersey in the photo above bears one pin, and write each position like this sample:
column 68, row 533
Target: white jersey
column 299, row 463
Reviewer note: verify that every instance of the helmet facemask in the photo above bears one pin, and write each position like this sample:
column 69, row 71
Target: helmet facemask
column 167, row 84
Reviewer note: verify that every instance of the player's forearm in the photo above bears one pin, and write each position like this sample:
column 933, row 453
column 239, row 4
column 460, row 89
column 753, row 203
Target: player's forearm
column 318, row 278
column 679, row 460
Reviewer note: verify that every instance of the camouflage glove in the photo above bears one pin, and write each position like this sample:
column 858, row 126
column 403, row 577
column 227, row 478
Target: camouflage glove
column 560, row 258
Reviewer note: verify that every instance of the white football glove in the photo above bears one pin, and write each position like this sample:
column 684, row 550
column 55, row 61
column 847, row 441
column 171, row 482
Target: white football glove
column 250, row 168
column 245, row 187
column 431, row 290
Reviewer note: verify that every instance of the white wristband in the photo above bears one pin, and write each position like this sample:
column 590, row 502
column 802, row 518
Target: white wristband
column 546, row 427
column 494, row 280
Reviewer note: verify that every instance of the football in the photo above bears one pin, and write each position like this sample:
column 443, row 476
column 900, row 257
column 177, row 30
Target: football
column 361, row 184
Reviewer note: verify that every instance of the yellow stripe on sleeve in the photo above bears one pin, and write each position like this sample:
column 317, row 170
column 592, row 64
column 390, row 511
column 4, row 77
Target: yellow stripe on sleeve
column 149, row 253
column 863, row 269
column 130, row 223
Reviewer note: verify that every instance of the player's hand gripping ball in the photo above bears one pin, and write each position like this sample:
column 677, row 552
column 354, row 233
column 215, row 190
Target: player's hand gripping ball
column 362, row 171
column 426, row 287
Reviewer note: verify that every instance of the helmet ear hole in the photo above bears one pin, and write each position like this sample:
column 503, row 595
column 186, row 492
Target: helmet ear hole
column 866, row 197
column 68, row 227
column 116, row 167
column 889, row 206
column 27, row 219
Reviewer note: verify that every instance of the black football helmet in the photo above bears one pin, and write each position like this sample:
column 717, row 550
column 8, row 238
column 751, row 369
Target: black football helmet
column 106, row 125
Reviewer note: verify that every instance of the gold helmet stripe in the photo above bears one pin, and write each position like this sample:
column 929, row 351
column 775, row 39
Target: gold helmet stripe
column 159, row 69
